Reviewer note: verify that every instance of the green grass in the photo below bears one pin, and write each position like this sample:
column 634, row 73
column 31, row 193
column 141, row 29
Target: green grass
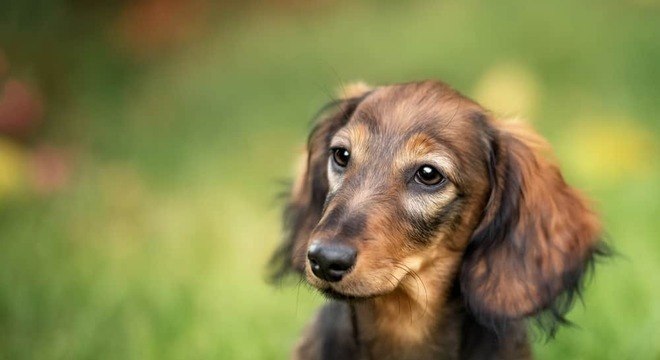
column 158, row 249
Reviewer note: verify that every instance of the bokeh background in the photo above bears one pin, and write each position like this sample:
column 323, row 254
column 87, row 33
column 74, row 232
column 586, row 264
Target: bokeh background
column 143, row 144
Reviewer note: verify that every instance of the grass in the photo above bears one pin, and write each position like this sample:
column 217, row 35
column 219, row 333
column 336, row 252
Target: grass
column 158, row 249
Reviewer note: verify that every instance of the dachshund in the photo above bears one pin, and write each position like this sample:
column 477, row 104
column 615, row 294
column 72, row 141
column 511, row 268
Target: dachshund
column 436, row 230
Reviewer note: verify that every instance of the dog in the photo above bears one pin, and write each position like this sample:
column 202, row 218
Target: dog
column 436, row 230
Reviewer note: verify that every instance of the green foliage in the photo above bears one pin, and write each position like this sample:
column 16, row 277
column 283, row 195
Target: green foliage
column 158, row 249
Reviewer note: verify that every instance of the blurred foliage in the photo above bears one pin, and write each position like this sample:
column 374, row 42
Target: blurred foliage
column 143, row 143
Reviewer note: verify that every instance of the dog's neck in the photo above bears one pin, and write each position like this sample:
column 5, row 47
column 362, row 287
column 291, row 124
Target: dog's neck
column 412, row 321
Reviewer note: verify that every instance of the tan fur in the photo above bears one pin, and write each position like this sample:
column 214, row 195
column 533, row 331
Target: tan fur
column 408, row 316
column 355, row 89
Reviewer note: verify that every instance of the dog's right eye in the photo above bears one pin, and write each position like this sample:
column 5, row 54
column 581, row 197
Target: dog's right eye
column 340, row 156
column 429, row 176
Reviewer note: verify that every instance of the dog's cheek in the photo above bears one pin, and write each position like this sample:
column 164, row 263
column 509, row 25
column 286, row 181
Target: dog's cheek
column 423, row 231
column 427, row 213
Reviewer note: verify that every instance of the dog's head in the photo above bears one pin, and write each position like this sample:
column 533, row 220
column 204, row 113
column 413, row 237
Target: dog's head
column 403, row 177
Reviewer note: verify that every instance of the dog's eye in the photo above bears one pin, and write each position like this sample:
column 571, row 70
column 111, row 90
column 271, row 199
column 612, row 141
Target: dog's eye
column 429, row 176
column 341, row 156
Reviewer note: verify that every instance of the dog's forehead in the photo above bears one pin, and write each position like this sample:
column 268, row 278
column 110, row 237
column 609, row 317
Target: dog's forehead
column 406, row 110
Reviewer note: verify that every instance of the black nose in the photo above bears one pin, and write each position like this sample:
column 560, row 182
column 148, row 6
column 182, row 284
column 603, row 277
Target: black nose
column 331, row 262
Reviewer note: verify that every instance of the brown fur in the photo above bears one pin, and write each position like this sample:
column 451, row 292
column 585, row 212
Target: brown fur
column 502, row 239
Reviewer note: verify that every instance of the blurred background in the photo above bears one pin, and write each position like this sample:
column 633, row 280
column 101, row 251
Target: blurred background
column 143, row 144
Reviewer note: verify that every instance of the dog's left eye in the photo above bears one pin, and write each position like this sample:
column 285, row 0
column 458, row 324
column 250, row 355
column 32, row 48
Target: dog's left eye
column 428, row 175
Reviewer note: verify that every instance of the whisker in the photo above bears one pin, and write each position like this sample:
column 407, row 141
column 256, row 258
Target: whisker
column 398, row 301
column 418, row 281
column 297, row 297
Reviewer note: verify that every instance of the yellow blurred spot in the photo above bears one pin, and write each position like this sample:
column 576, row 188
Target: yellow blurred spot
column 610, row 150
column 12, row 168
column 508, row 89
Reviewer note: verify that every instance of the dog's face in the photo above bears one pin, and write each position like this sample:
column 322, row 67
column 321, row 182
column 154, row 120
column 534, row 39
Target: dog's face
column 404, row 178
column 406, row 171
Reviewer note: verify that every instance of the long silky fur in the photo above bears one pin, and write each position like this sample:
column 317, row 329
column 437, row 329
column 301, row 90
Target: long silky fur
column 548, row 319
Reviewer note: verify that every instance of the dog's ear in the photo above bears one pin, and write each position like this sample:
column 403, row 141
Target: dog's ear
column 536, row 239
column 310, row 188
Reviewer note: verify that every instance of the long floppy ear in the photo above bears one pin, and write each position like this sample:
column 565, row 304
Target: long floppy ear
column 536, row 240
column 309, row 190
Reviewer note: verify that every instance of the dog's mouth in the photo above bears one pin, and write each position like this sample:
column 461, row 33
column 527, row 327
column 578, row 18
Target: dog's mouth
column 335, row 294
column 356, row 288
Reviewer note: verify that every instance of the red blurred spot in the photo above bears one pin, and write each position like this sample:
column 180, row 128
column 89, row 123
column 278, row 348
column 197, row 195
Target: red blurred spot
column 21, row 109
column 50, row 169
column 148, row 26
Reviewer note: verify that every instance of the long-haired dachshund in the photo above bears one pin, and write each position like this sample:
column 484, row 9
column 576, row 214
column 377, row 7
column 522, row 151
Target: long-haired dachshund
column 436, row 230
